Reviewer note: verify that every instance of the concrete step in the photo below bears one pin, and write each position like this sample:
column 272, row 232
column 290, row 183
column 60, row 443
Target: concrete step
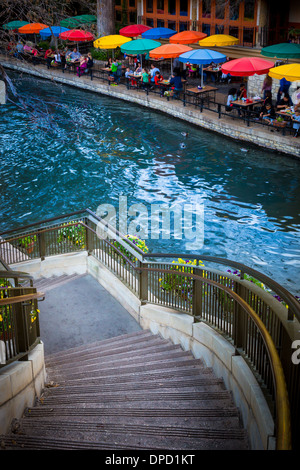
column 136, row 391
column 55, row 281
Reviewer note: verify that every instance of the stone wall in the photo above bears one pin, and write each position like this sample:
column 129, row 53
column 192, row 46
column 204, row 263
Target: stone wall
column 255, row 84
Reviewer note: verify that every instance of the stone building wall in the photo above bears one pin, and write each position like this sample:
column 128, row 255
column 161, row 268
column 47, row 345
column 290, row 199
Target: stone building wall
column 256, row 81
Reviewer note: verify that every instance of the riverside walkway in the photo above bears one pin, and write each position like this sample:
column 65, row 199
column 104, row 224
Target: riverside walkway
column 212, row 118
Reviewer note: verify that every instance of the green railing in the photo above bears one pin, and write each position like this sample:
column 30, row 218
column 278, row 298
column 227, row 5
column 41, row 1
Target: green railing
column 261, row 328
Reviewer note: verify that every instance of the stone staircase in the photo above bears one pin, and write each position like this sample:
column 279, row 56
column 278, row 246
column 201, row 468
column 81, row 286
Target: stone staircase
column 135, row 391
column 45, row 284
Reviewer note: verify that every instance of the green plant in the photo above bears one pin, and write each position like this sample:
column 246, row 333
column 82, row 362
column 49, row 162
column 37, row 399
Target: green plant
column 28, row 241
column 73, row 232
column 136, row 241
column 178, row 284
column 44, row 45
column 103, row 54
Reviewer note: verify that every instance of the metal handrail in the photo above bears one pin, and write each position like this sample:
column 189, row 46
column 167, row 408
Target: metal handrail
column 283, row 425
column 22, row 298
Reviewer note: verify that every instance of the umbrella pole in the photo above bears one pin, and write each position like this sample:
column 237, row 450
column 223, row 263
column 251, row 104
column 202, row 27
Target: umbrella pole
column 201, row 75
column 171, row 66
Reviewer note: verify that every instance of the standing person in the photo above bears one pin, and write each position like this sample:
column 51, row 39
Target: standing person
column 267, row 85
column 296, row 122
column 284, row 86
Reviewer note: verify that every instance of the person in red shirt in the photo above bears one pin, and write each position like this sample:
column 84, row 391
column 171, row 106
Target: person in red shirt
column 243, row 92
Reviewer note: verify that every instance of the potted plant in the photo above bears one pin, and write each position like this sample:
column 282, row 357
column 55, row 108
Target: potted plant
column 279, row 122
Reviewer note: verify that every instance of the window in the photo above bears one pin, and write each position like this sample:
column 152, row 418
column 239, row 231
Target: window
column 149, row 6
column 234, row 10
column 132, row 3
column 132, row 17
column 206, row 29
column 206, row 9
column 149, row 22
column 172, row 7
column 160, row 7
column 234, row 31
column 118, row 16
column 249, row 10
column 183, row 26
column 172, row 25
column 183, row 7
column 160, row 23
column 220, row 10
column 118, row 3
column 219, row 29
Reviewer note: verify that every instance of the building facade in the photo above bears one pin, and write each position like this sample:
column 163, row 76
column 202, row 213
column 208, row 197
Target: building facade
column 256, row 23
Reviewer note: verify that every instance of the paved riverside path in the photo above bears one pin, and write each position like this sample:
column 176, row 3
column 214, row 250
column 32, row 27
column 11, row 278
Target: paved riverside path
column 79, row 311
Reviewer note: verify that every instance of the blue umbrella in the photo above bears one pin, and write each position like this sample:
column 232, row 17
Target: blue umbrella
column 202, row 57
column 55, row 30
column 157, row 33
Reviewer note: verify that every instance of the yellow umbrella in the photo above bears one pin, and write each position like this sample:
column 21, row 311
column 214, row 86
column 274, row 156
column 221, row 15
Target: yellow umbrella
column 218, row 40
column 110, row 42
column 290, row 72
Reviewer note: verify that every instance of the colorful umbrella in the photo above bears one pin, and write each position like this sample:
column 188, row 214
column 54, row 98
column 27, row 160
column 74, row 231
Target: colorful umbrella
column 169, row 51
column 134, row 30
column 282, row 51
column 32, row 28
column 139, row 46
column 52, row 30
column 187, row 37
column 76, row 21
column 111, row 42
column 290, row 72
column 14, row 25
column 202, row 57
column 157, row 33
column 247, row 66
column 77, row 35
column 218, row 40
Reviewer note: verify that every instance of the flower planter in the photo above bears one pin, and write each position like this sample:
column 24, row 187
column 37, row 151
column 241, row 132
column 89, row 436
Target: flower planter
column 279, row 123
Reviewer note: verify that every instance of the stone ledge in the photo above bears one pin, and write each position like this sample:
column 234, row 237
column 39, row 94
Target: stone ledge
column 20, row 383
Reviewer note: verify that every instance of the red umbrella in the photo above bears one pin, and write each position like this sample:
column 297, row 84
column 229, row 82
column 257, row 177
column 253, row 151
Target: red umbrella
column 133, row 30
column 77, row 35
column 247, row 66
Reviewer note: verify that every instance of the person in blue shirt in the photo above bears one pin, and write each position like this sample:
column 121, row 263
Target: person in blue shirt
column 176, row 83
column 284, row 86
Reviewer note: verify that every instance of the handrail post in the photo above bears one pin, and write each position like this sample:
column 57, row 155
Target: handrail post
column 143, row 283
column 197, row 298
column 239, row 321
column 90, row 243
column 42, row 245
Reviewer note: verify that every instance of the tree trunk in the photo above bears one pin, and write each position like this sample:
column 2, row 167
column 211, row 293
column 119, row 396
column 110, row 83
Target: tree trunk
column 105, row 17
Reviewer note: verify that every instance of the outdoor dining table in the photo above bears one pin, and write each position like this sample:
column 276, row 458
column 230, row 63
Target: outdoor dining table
column 204, row 93
column 247, row 104
column 213, row 70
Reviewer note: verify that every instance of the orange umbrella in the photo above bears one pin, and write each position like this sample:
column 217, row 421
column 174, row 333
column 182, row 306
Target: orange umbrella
column 32, row 28
column 187, row 37
column 169, row 51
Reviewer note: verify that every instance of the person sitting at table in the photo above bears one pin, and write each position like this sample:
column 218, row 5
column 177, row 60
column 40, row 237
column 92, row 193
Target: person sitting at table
column 57, row 59
column 74, row 55
column 145, row 79
column 138, row 68
column 116, row 69
column 157, row 80
column 268, row 99
column 285, row 102
column 192, row 70
column 82, row 66
column 109, row 63
column 296, row 123
column 176, row 84
column 284, row 86
column 232, row 96
column 19, row 50
column 48, row 56
column 269, row 114
column 242, row 92
column 153, row 70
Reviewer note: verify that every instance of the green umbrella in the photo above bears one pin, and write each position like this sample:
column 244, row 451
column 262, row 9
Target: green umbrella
column 76, row 21
column 282, row 51
column 140, row 46
column 14, row 25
